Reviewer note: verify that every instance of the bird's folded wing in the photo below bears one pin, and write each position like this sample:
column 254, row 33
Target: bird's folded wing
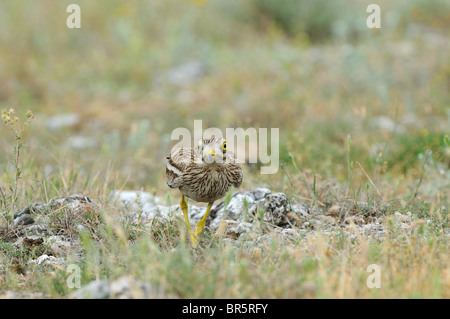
column 177, row 162
column 234, row 170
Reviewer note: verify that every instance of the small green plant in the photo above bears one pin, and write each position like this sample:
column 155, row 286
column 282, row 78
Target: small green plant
column 226, row 202
column 425, row 158
column 260, row 214
column 228, row 198
column 350, row 167
column 312, row 191
column 291, row 184
column 313, row 18
column 246, row 209
column 17, row 128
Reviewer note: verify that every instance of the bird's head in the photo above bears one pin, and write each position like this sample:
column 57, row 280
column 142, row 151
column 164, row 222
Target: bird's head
column 213, row 150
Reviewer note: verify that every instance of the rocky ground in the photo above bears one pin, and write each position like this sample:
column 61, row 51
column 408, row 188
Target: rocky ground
column 50, row 231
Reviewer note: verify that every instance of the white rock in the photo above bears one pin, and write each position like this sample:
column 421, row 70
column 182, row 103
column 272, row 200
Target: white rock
column 60, row 121
column 243, row 227
column 58, row 244
column 121, row 288
column 98, row 289
column 186, row 73
column 150, row 211
column 131, row 198
column 80, row 142
column 300, row 210
column 260, row 193
column 385, row 123
column 48, row 260
column 276, row 207
column 235, row 209
column 129, row 288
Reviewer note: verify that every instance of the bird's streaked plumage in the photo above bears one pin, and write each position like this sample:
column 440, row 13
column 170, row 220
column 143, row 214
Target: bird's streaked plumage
column 204, row 173
column 199, row 180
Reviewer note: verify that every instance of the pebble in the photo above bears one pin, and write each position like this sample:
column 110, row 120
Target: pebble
column 121, row 288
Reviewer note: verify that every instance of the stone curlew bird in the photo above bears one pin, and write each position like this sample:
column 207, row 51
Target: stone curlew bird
column 204, row 173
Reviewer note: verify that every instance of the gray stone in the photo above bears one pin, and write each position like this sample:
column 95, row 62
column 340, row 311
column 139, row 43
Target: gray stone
column 275, row 206
column 301, row 210
column 260, row 193
column 98, row 289
column 129, row 288
column 23, row 220
column 121, row 288
column 234, row 229
column 34, row 208
column 76, row 204
column 58, row 244
column 36, row 229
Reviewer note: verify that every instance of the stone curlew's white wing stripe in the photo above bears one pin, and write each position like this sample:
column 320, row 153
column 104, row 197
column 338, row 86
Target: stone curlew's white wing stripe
column 173, row 169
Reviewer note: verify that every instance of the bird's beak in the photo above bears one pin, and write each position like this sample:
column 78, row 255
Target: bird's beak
column 209, row 156
column 211, row 152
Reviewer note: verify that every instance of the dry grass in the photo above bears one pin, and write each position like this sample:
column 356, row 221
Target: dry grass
column 387, row 89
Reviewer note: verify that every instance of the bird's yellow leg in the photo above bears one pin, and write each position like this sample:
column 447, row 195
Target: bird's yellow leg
column 201, row 223
column 184, row 208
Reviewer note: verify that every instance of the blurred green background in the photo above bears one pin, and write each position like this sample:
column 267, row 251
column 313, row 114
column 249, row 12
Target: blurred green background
column 106, row 97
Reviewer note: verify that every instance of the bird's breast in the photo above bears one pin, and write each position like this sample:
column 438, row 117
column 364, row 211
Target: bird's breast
column 205, row 185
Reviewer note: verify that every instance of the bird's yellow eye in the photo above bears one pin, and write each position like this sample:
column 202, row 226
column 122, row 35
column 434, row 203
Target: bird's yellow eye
column 224, row 146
